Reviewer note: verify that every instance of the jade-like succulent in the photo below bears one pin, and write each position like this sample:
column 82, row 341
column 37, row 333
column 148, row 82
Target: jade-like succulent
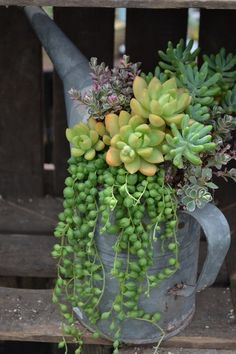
column 86, row 138
column 188, row 143
column 134, row 143
column 160, row 102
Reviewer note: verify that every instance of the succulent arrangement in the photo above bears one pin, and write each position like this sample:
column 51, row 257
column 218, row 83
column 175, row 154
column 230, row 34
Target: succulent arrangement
column 151, row 146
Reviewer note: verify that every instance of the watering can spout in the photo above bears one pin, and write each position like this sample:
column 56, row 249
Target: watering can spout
column 70, row 64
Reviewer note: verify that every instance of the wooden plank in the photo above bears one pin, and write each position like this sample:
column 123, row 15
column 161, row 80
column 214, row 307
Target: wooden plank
column 26, row 348
column 143, row 350
column 97, row 349
column 81, row 26
column 230, row 213
column 32, row 216
column 30, row 256
column 213, row 325
column 153, row 4
column 212, row 36
column 29, row 315
column 21, row 167
column 147, row 31
column 27, row 256
column 87, row 349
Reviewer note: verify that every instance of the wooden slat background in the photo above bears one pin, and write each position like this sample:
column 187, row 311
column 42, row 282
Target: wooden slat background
column 93, row 32
column 154, row 4
column 21, row 149
column 147, row 31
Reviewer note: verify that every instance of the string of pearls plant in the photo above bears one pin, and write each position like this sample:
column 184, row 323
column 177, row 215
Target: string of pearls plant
column 132, row 166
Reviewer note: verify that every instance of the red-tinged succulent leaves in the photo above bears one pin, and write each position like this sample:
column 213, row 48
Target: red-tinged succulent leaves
column 136, row 145
column 159, row 102
column 85, row 139
column 113, row 157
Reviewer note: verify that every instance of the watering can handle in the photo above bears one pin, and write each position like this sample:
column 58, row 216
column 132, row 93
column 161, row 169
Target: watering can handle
column 217, row 232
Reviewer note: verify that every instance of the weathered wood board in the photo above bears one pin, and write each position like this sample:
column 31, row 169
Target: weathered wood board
column 94, row 40
column 27, row 256
column 29, row 315
column 29, row 215
column 21, row 134
column 161, row 4
column 140, row 350
column 147, row 31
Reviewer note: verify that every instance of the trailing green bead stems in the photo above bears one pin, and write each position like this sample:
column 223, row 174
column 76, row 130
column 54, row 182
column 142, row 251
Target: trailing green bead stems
column 144, row 210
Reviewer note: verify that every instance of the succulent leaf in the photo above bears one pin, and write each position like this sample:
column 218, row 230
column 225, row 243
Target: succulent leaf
column 193, row 196
column 163, row 100
column 229, row 101
column 187, row 143
column 85, row 139
column 136, row 145
column 201, row 88
column 173, row 56
column 112, row 124
column 225, row 65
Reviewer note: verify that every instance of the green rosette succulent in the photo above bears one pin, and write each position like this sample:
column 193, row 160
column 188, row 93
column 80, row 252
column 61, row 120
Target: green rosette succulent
column 86, row 139
column 134, row 143
column 188, row 142
column 194, row 196
column 161, row 103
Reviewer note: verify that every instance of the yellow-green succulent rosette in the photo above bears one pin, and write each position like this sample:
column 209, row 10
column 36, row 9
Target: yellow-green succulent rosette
column 86, row 139
column 161, row 103
column 134, row 143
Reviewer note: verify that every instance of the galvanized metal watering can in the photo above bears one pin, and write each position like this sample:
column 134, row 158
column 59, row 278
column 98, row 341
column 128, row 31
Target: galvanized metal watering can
column 175, row 297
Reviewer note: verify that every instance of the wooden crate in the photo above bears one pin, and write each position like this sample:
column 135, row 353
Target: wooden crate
column 28, row 216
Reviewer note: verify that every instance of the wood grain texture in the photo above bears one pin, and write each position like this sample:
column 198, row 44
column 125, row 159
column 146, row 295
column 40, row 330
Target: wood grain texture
column 230, row 212
column 143, row 350
column 29, row 315
column 148, row 31
column 152, row 4
column 88, row 349
column 29, row 215
column 27, row 256
column 214, row 36
column 21, row 150
column 92, row 30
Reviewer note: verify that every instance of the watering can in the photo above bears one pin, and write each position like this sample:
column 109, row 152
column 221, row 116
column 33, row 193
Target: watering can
column 175, row 297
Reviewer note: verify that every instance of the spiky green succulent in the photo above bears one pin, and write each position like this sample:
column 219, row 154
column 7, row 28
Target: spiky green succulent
column 201, row 88
column 157, row 73
column 134, row 143
column 86, row 139
column 225, row 65
column 174, row 55
column 229, row 101
column 188, row 142
column 198, row 112
column 161, row 103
